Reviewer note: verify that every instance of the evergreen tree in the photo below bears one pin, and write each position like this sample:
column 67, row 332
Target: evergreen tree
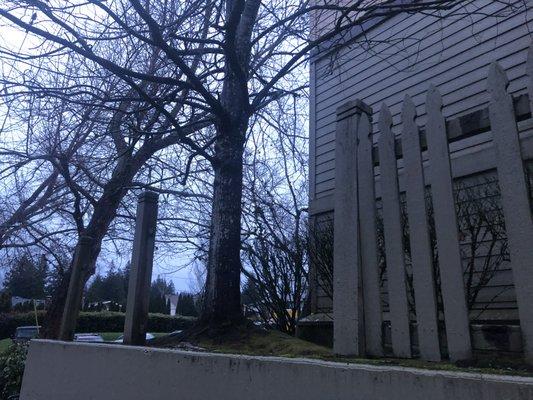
column 160, row 287
column 5, row 301
column 168, row 310
column 111, row 287
column 186, row 305
column 114, row 286
column 126, row 277
column 27, row 278
column 95, row 291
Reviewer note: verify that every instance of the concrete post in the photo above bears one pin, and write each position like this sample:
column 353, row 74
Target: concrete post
column 368, row 237
column 393, row 236
column 75, row 289
column 515, row 198
column 421, row 248
column 141, row 270
column 348, row 320
column 446, row 230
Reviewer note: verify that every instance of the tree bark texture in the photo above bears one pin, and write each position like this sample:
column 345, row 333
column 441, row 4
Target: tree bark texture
column 89, row 243
column 223, row 295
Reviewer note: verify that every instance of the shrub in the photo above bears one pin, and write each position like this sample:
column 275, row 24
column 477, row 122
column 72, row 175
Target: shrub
column 5, row 301
column 114, row 322
column 11, row 369
column 10, row 321
column 95, row 322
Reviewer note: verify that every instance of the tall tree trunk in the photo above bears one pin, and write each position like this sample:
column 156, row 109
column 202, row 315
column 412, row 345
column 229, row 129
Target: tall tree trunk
column 223, row 296
column 86, row 266
column 54, row 311
column 90, row 240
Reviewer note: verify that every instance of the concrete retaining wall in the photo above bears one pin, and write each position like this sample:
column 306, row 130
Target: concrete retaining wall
column 67, row 371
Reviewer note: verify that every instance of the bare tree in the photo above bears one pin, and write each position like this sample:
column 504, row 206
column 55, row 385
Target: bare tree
column 247, row 51
column 321, row 258
column 275, row 234
column 99, row 155
column 30, row 181
column 484, row 247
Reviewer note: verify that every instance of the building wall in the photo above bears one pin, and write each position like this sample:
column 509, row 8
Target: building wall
column 453, row 53
column 403, row 55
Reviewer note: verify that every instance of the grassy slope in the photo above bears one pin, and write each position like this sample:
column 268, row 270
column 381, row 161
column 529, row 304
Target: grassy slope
column 273, row 343
column 265, row 343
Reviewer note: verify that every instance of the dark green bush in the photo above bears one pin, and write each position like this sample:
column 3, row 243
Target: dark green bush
column 10, row 321
column 94, row 322
column 11, row 369
column 114, row 322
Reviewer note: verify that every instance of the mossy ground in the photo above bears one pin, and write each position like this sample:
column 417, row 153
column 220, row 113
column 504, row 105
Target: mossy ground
column 261, row 342
column 251, row 340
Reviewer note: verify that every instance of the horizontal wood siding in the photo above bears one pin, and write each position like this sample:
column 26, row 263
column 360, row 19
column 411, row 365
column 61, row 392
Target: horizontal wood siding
column 452, row 53
column 491, row 274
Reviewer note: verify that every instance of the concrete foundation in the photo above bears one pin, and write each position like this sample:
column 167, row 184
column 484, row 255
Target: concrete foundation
column 66, row 371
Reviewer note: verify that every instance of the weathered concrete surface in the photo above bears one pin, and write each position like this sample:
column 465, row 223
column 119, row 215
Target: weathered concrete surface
column 515, row 197
column 421, row 248
column 447, row 231
column 393, row 235
column 66, row 371
column 348, row 329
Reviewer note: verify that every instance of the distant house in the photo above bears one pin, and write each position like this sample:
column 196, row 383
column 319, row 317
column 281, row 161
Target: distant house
column 15, row 300
column 403, row 54
column 107, row 305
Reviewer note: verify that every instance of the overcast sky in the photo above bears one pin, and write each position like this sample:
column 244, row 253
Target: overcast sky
column 171, row 266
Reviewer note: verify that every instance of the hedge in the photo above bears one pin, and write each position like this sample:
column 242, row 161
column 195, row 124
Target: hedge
column 95, row 322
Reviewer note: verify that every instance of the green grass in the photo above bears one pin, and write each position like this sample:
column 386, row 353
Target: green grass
column 4, row 345
column 110, row 336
